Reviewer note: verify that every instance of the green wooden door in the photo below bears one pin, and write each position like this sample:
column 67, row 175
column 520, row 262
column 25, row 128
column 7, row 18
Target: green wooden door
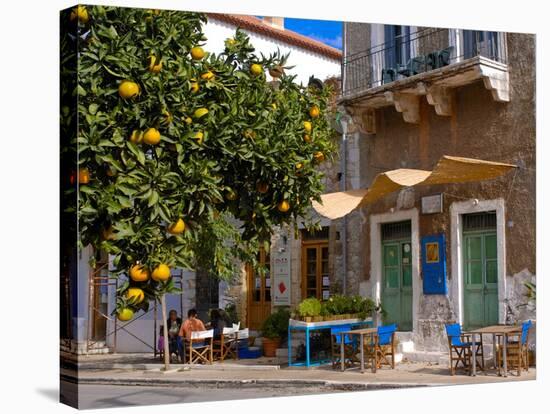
column 397, row 283
column 480, row 279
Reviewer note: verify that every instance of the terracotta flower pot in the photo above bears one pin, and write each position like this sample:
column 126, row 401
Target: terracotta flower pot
column 270, row 346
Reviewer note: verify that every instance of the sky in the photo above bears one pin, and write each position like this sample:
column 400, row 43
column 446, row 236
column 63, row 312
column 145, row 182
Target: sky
column 325, row 31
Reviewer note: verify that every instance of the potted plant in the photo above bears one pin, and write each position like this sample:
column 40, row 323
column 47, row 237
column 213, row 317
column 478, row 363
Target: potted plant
column 274, row 329
column 309, row 309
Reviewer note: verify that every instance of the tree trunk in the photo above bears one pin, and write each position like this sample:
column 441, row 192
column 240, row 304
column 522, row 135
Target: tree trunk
column 165, row 333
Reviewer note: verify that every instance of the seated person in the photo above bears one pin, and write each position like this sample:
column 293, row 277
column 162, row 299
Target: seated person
column 174, row 324
column 217, row 322
column 191, row 324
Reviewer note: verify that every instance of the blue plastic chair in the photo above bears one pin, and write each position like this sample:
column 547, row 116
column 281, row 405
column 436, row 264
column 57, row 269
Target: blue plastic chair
column 384, row 345
column 350, row 346
column 461, row 348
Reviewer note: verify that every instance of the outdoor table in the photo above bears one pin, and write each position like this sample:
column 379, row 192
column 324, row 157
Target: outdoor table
column 307, row 327
column 494, row 330
column 361, row 333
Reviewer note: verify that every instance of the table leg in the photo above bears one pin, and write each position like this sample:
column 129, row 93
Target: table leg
column 362, row 350
column 342, row 359
column 374, row 358
column 473, row 362
column 289, row 347
column 307, row 347
column 505, row 358
column 494, row 351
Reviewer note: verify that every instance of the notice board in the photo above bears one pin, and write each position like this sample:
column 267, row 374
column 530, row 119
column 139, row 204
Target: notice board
column 434, row 264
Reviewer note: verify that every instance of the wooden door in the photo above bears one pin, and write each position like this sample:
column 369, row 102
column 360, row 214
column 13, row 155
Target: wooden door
column 315, row 269
column 480, row 279
column 397, row 283
column 259, row 292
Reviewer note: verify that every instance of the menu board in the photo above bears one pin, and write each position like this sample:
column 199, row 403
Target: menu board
column 280, row 290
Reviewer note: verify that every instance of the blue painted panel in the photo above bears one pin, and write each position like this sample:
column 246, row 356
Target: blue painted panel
column 434, row 264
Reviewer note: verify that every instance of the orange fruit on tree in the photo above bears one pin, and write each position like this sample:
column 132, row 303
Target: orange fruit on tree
column 128, row 89
column 83, row 176
column 256, row 69
column 197, row 53
column 161, row 273
column 283, row 206
column 151, row 136
column 125, row 314
column 314, row 111
column 81, row 13
column 188, row 120
column 262, row 187
column 199, row 113
column 136, row 137
column 194, row 87
column 199, row 136
column 307, row 138
column 230, row 41
column 319, row 156
column 135, row 294
column 307, row 126
column 177, row 228
column 274, row 105
column 208, row 75
column 299, row 165
column 154, row 64
column 138, row 273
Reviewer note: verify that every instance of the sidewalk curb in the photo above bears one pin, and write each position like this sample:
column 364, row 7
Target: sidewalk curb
column 156, row 367
column 255, row 383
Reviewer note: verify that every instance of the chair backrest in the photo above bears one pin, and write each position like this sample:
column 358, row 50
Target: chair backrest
column 202, row 334
column 385, row 333
column 525, row 326
column 243, row 333
column 454, row 333
column 230, row 330
column 335, row 331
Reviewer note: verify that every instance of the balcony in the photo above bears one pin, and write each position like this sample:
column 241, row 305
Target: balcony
column 429, row 62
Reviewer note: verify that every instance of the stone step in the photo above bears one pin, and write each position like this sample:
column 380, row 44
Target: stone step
column 405, row 346
column 425, row 356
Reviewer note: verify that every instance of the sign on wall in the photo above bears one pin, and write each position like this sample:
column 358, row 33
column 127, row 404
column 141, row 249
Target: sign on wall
column 280, row 289
column 432, row 204
column 434, row 265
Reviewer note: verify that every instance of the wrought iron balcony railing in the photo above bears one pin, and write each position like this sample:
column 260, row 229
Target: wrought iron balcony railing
column 414, row 53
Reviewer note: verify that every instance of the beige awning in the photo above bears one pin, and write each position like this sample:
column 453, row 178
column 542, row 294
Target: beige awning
column 448, row 170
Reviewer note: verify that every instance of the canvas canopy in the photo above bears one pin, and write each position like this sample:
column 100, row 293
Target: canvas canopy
column 448, row 170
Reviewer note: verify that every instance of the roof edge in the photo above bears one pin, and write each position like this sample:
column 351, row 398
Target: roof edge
column 256, row 25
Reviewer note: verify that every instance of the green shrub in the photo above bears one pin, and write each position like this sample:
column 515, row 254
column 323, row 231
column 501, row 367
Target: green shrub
column 309, row 307
column 276, row 324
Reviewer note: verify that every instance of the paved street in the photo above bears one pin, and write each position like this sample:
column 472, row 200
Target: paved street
column 103, row 396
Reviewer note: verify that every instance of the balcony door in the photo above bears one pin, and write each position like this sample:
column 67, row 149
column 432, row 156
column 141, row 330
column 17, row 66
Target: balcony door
column 481, row 43
column 397, row 44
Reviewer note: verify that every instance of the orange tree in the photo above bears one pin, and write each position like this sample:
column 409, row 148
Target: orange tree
column 177, row 147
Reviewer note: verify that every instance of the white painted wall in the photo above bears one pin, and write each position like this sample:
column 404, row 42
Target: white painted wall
column 306, row 63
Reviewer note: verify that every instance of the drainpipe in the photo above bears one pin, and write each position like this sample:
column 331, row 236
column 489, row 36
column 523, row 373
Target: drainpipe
column 343, row 165
column 343, row 177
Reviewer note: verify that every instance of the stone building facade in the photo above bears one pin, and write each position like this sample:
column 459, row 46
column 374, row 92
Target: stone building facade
column 415, row 94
